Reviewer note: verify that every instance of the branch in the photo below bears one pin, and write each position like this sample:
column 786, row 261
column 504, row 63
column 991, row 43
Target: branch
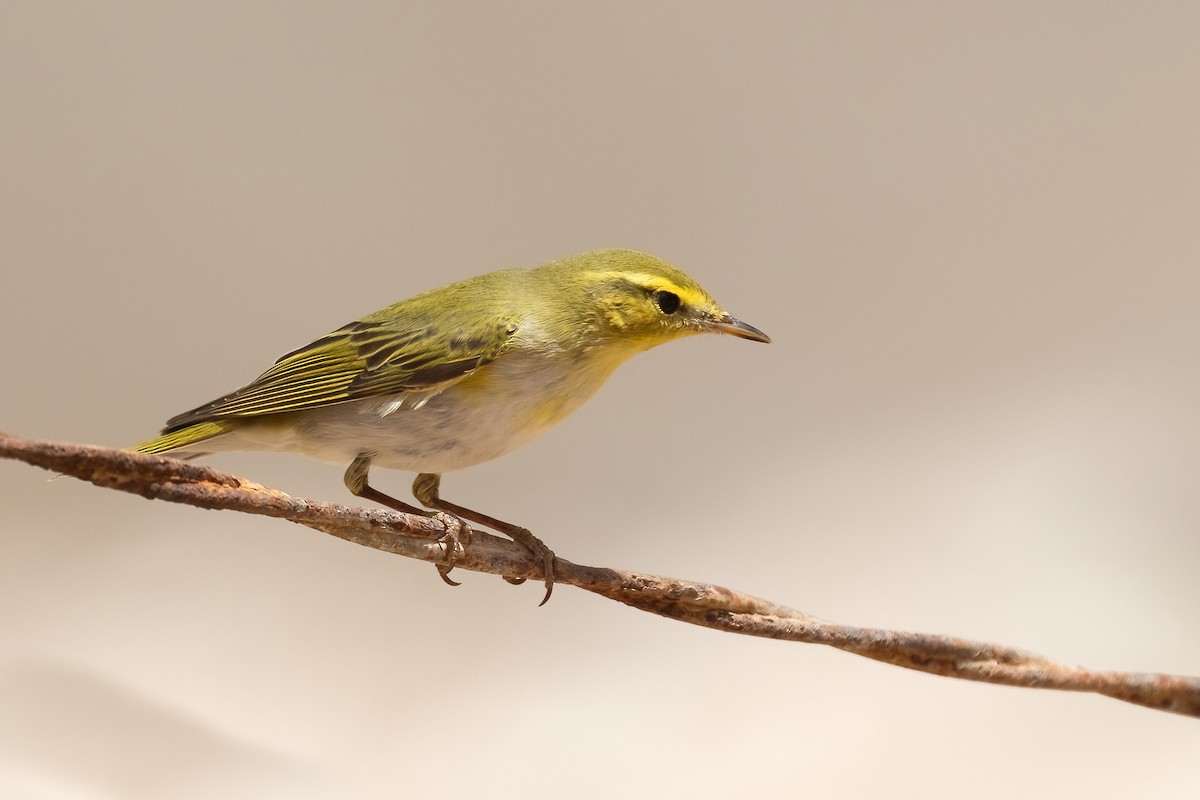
column 415, row 536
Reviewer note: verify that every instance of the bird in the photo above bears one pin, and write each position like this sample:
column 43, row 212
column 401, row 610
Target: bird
column 457, row 376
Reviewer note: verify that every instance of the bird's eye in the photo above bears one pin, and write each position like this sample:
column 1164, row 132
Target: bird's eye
column 667, row 302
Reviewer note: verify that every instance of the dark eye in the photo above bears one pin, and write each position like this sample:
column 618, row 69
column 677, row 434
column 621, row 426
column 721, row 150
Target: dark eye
column 667, row 302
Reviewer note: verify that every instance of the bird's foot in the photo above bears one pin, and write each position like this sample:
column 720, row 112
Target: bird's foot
column 457, row 537
column 537, row 547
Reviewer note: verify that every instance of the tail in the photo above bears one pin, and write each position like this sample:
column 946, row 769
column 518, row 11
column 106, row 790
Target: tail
column 183, row 438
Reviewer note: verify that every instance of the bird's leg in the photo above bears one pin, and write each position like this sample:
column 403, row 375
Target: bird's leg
column 425, row 489
column 458, row 533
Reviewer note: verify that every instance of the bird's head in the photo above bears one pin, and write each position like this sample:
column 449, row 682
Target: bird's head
column 643, row 301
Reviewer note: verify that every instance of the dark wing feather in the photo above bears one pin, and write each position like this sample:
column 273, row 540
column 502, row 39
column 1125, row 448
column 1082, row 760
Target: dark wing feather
column 368, row 358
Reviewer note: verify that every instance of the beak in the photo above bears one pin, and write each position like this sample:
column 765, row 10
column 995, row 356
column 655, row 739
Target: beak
column 735, row 327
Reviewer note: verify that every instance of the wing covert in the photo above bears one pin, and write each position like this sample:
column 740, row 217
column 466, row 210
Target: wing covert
column 368, row 358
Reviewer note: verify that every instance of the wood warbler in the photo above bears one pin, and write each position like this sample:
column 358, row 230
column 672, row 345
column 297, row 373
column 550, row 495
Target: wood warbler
column 458, row 376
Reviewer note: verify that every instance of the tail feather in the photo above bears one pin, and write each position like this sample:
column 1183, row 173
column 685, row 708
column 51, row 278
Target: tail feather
column 185, row 437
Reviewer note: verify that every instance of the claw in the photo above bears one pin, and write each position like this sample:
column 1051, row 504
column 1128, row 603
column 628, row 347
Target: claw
column 444, row 571
column 538, row 549
column 456, row 538
column 549, row 589
column 548, row 568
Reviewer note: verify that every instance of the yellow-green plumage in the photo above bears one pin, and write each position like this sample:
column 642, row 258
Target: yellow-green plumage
column 183, row 438
column 458, row 375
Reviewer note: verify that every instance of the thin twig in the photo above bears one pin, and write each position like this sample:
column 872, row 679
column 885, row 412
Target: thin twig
column 704, row 604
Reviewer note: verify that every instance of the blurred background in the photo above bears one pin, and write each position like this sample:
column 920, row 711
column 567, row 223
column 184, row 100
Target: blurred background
column 970, row 228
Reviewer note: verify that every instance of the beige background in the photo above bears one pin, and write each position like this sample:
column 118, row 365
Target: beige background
column 970, row 228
